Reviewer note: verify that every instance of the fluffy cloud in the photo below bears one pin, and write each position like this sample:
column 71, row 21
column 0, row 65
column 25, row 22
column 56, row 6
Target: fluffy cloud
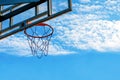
column 90, row 27
column 98, row 35
column 85, row 1
column 18, row 45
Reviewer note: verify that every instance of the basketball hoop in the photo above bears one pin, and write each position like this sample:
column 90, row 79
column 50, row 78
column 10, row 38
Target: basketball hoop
column 38, row 38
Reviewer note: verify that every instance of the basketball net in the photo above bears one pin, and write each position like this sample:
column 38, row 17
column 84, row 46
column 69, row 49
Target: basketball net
column 38, row 38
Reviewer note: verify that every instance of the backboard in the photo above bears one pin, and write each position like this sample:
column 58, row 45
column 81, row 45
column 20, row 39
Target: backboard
column 9, row 2
column 14, row 17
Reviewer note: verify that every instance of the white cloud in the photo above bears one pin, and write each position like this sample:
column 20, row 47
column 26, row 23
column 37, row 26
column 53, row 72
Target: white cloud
column 100, row 35
column 89, row 8
column 89, row 27
column 15, row 46
column 112, row 6
column 58, row 50
column 18, row 45
column 85, row 1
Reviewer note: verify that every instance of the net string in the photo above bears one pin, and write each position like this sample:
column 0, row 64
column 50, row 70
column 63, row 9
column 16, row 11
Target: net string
column 39, row 46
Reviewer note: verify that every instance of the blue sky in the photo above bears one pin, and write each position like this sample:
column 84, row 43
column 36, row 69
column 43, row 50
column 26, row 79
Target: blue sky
column 84, row 46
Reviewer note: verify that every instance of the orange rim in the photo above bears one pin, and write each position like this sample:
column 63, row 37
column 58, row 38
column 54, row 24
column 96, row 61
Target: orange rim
column 39, row 25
